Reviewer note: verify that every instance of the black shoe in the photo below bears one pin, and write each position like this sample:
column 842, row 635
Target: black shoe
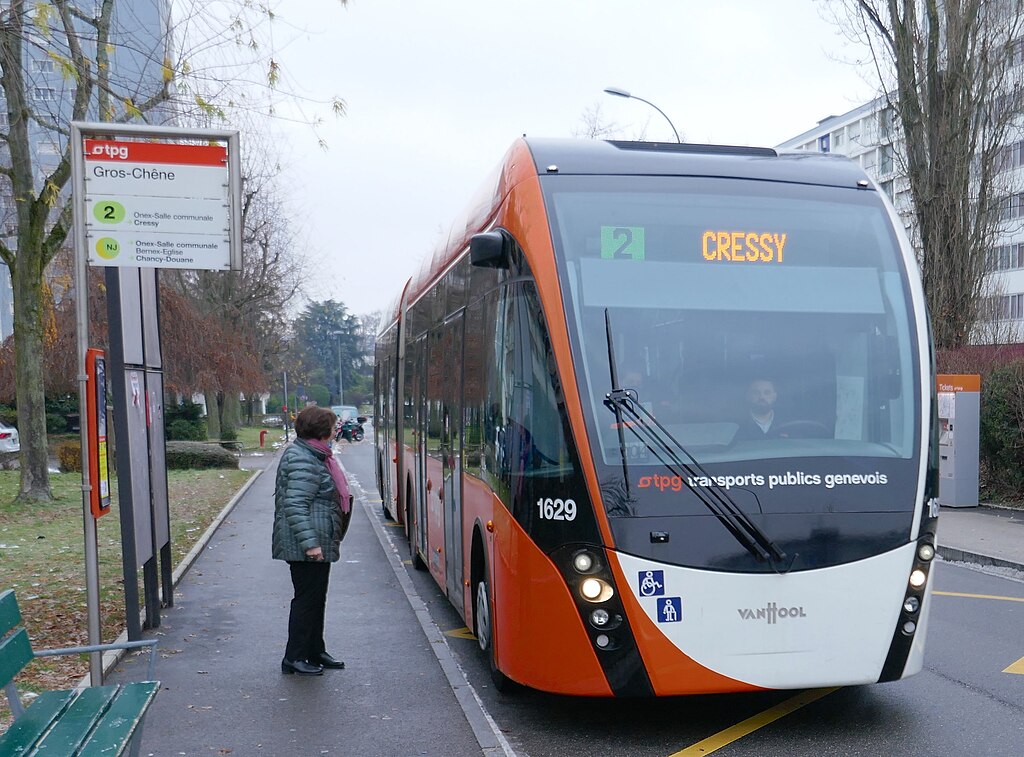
column 329, row 662
column 301, row 667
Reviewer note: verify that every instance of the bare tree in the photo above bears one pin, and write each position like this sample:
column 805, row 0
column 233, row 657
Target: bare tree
column 250, row 303
column 946, row 68
column 64, row 60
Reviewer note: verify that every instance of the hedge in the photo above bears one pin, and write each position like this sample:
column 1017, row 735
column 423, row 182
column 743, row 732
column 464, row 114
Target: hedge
column 190, row 455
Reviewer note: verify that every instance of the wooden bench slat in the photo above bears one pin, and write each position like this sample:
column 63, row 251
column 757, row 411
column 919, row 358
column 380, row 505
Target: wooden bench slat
column 77, row 722
column 15, row 654
column 26, row 730
column 10, row 615
column 121, row 719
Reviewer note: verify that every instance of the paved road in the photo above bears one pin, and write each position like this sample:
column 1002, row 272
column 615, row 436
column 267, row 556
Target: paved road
column 962, row 703
column 412, row 690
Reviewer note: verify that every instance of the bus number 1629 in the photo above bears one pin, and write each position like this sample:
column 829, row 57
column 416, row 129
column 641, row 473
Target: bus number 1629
column 556, row 509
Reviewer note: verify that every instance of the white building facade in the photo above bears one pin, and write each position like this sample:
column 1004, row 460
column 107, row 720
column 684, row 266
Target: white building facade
column 869, row 134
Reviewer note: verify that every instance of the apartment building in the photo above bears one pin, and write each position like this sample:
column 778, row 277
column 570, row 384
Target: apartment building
column 139, row 43
column 869, row 134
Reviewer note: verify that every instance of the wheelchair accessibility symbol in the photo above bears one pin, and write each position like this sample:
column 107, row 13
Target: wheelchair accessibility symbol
column 670, row 609
column 652, row 583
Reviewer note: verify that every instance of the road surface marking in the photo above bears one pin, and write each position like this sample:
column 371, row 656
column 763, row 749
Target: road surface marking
column 1017, row 667
column 460, row 633
column 751, row 724
column 978, row 596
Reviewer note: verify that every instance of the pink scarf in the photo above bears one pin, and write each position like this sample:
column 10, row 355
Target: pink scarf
column 340, row 482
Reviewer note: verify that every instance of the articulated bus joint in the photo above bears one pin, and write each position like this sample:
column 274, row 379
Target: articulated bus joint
column 586, row 570
column 906, row 627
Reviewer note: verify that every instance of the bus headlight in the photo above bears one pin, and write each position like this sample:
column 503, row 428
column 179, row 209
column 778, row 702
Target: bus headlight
column 583, row 562
column 925, row 552
column 909, row 627
column 911, row 604
column 917, row 578
column 596, row 590
column 600, row 617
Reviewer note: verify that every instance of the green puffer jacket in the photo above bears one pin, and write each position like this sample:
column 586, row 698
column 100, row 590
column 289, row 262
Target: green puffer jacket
column 306, row 513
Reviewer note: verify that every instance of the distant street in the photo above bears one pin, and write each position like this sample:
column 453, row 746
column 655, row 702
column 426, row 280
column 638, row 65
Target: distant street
column 968, row 700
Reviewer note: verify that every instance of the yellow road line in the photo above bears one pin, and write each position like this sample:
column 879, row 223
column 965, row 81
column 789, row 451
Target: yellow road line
column 978, row 596
column 460, row 633
column 1017, row 667
column 748, row 726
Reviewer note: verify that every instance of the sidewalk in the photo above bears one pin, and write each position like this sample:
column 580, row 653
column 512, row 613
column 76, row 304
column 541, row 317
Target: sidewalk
column 222, row 691
column 984, row 535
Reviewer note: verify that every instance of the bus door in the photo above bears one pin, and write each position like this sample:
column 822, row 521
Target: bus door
column 417, row 360
column 451, row 447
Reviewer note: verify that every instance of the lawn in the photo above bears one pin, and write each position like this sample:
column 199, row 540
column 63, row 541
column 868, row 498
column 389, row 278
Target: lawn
column 42, row 559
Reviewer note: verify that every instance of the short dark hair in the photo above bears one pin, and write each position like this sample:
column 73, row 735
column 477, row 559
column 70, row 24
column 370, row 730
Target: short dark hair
column 315, row 422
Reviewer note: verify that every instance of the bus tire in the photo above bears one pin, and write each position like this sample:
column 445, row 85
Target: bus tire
column 483, row 627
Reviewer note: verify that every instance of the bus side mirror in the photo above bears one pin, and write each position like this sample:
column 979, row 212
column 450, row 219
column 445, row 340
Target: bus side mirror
column 489, row 249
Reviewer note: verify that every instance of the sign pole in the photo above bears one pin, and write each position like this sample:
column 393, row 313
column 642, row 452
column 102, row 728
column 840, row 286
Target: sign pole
column 92, row 569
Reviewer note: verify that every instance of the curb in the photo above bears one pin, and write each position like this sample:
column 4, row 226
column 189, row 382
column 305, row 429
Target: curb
column 953, row 554
column 113, row 657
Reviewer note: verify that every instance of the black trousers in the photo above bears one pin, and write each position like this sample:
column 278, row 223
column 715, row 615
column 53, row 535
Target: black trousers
column 306, row 619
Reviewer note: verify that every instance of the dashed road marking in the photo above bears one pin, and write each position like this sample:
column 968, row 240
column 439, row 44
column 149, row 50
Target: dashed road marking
column 751, row 724
column 1017, row 667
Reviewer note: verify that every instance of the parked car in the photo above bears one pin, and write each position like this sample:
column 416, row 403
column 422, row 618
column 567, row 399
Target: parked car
column 9, row 441
column 274, row 421
column 345, row 412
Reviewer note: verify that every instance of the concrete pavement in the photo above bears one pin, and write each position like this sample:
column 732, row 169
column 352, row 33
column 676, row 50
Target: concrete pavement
column 221, row 644
column 222, row 691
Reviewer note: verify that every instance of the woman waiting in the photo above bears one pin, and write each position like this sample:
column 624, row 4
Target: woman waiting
column 310, row 493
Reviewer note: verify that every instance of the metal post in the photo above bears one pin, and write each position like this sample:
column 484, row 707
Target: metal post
column 92, row 567
column 286, row 407
column 341, row 391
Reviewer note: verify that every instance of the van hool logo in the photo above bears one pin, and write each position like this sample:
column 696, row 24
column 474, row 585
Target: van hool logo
column 771, row 613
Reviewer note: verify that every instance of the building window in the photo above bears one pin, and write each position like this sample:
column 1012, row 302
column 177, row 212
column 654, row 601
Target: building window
column 823, row 143
column 887, row 188
column 42, row 66
column 853, row 131
column 1016, row 52
column 837, row 138
column 885, row 123
column 885, row 160
column 45, row 94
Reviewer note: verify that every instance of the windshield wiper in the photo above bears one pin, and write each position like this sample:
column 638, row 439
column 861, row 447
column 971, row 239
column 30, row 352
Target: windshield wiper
column 660, row 442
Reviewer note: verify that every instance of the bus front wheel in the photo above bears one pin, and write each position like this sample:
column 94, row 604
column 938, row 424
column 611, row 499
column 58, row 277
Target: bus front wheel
column 484, row 636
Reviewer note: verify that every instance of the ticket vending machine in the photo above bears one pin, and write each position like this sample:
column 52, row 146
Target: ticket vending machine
column 959, row 426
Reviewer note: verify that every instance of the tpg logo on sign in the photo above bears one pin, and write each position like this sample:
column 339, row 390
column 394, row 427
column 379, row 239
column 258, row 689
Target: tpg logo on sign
column 652, row 583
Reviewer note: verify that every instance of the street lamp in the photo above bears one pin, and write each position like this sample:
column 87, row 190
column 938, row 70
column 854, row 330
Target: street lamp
column 623, row 93
column 341, row 395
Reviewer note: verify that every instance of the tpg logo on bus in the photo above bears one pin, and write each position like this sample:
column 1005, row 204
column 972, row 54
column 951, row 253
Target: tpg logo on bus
column 109, row 150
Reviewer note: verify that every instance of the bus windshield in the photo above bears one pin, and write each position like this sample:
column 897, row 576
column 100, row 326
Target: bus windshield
column 755, row 320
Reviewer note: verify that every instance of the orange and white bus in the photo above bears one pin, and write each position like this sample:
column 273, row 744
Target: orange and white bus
column 658, row 420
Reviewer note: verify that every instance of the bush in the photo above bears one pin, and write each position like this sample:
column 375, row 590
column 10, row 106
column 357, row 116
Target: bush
column 1001, row 445
column 228, row 434
column 56, row 424
column 192, row 455
column 69, row 456
column 185, row 430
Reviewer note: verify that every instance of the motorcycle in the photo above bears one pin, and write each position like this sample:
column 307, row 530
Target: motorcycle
column 351, row 429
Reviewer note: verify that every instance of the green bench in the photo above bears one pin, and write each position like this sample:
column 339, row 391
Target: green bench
column 98, row 720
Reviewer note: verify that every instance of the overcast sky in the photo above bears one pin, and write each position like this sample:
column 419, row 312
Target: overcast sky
column 437, row 90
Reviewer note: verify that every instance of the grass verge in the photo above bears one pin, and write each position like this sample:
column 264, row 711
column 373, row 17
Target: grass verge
column 42, row 559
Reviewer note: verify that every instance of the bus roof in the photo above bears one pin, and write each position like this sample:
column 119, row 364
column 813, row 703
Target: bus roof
column 600, row 157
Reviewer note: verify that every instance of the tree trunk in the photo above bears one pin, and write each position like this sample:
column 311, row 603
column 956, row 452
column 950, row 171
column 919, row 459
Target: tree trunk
column 231, row 415
column 212, row 415
column 27, row 283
